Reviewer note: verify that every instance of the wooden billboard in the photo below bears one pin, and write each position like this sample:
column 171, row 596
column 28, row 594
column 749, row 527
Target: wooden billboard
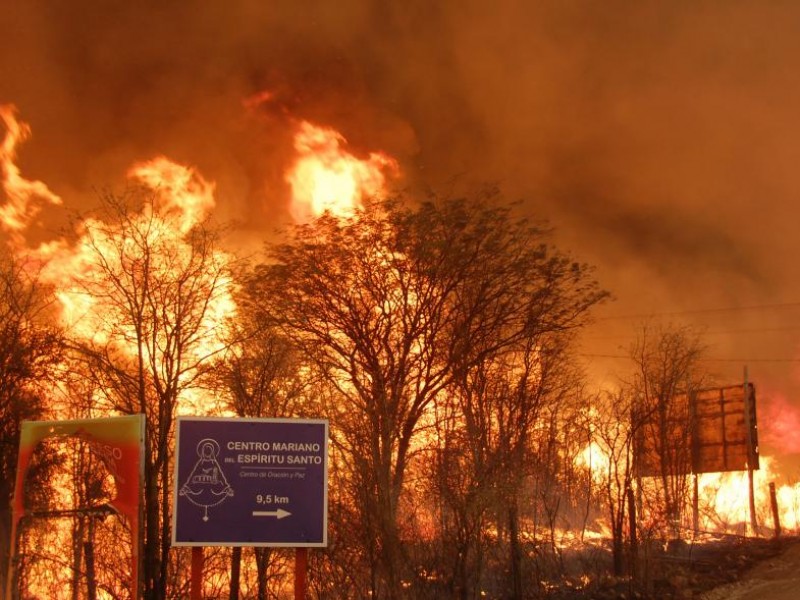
column 705, row 431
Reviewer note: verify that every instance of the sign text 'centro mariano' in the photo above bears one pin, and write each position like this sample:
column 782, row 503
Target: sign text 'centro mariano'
column 250, row 482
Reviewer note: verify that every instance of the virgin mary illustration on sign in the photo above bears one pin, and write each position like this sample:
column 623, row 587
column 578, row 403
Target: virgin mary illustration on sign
column 206, row 485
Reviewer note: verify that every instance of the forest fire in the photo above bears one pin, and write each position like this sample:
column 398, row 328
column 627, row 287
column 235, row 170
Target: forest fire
column 723, row 506
column 323, row 177
column 448, row 232
column 178, row 200
column 149, row 300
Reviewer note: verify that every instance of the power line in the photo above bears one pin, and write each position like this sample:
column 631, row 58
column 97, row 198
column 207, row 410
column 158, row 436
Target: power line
column 720, row 309
column 737, row 360
column 755, row 330
column 752, row 360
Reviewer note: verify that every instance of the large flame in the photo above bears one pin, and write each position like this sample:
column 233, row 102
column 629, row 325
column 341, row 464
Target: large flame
column 182, row 200
column 17, row 214
column 182, row 192
column 723, row 498
column 328, row 178
column 81, row 273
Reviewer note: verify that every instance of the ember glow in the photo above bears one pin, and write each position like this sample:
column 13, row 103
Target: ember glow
column 328, row 178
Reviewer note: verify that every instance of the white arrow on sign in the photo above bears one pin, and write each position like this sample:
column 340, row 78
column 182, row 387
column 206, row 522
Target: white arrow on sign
column 280, row 513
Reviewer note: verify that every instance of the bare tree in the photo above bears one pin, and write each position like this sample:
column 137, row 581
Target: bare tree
column 30, row 346
column 260, row 374
column 614, row 430
column 155, row 293
column 483, row 463
column 667, row 370
column 394, row 305
column 462, row 474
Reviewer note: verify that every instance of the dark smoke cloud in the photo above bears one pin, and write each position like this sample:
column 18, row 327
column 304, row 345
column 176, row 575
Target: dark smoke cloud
column 660, row 138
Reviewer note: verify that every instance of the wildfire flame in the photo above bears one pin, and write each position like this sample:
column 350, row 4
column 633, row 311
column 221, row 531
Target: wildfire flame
column 155, row 240
column 324, row 177
column 183, row 199
column 723, row 497
column 328, row 178
column 19, row 211
column 182, row 192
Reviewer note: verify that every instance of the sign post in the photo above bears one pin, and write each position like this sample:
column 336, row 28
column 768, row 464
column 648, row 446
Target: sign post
column 300, row 571
column 196, row 583
column 251, row 482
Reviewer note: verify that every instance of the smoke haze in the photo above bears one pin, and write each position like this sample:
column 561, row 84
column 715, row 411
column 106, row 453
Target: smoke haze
column 661, row 139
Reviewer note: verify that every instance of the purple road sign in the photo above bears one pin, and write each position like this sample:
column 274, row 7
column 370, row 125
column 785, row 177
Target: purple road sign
column 250, row 482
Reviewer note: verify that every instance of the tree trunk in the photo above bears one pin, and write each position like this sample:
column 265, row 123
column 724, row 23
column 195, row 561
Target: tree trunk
column 262, row 563
column 166, row 541
column 91, row 581
column 515, row 551
column 151, row 548
column 77, row 548
column 617, row 550
column 5, row 546
column 634, row 541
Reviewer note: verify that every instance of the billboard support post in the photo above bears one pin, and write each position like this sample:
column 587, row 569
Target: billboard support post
column 776, row 515
column 750, row 453
column 300, row 573
column 196, row 591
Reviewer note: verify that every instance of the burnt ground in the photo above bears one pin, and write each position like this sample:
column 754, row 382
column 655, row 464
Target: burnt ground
column 718, row 568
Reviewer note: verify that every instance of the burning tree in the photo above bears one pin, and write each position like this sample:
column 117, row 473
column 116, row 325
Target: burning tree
column 666, row 363
column 610, row 458
column 498, row 447
column 145, row 292
column 260, row 373
column 30, row 346
column 394, row 307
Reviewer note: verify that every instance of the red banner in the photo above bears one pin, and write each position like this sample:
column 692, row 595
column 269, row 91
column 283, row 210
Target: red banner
column 118, row 442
